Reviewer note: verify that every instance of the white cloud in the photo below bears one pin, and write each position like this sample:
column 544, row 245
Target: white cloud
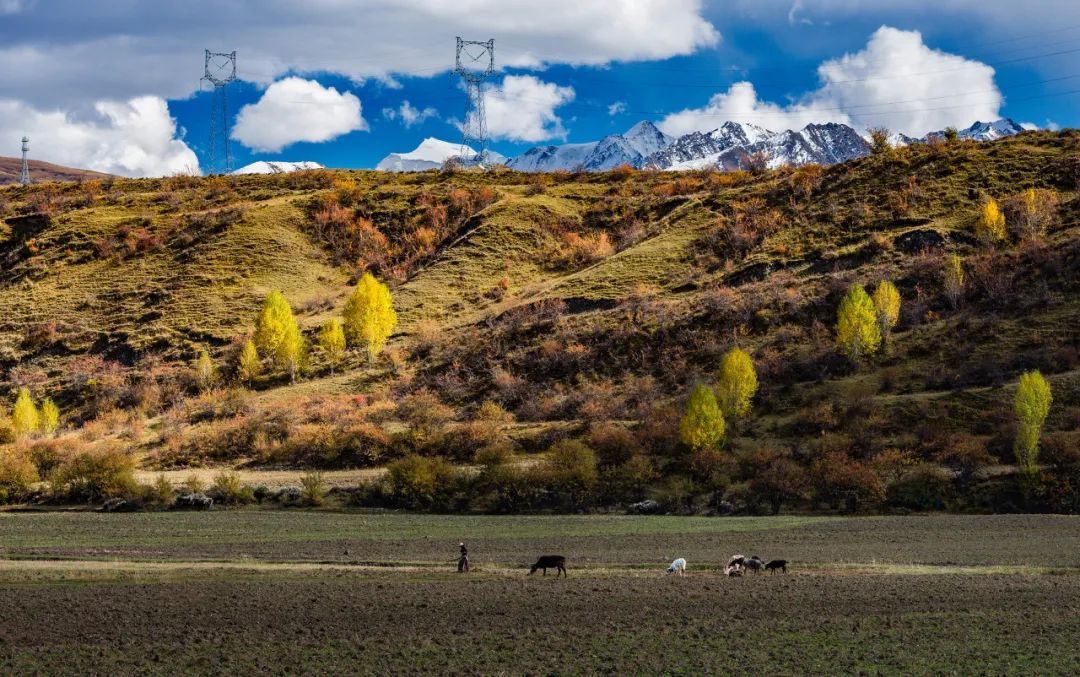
column 900, row 83
column 133, row 138
column 293, row 110
column 616, row 108
column 523, row 109
column 409, row 115
column 14, row 6
column 69, row 52
column 896, row 81
column 740, row 103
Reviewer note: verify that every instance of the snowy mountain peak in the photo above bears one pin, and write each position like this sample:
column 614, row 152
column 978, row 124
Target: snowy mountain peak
column 988, row 131
column 430, row 154
column 263, row 167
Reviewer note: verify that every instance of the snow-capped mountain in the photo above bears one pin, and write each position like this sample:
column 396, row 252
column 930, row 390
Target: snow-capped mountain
column 263, row 167
column 430, row 154
column 980, row 131
column 630, row 148
column 697, row 150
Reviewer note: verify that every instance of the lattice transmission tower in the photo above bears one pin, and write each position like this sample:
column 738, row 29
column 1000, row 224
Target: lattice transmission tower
column 475, row 63
column 219, row 71
column 24, row 178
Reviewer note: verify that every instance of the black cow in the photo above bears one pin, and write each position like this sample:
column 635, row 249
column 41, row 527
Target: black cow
column 557, row 562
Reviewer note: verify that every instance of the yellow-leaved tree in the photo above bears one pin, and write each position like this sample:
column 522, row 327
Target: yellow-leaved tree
column 736, row 383
column 887, row 302
column 857, row 330
column 205, row 371
column 277, row 334
column 1032, row 404
column 990, row 226
column 953, row 279
column 290, row 353
column 332, row 342
column 702, row 425
column 248, row 365
column 50, row 416
column 369, row 315
column 24, row 417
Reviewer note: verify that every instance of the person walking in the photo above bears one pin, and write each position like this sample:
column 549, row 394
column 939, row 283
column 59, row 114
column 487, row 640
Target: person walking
column 463, row 560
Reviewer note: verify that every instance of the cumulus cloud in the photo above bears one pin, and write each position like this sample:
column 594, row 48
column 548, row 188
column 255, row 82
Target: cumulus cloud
column 616, row 108
column 294, row 110
column 523, row 109
column 740, row 103
column 896, row 81
column 132, row 138
column 408, row 114
column 70, row 51
column 900, row 83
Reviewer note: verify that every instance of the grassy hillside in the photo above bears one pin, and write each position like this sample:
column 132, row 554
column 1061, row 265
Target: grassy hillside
column 574, row 306
column 11, row 172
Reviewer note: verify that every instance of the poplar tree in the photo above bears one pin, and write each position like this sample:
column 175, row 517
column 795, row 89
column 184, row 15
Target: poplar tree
column 290, row 353
column 248, row 364
column 332, row 342
column 1032, row 404
column 50, row 416
column 369, row 316
column 24, row 417
column 857, row 331
column 736, row 383
column 990, row 228
column 205, row 371
column 702, row 426
column 953, row 279
column 887, row 302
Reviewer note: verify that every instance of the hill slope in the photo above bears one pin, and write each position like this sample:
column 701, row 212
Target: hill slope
column 11, row 170
column 583, row 304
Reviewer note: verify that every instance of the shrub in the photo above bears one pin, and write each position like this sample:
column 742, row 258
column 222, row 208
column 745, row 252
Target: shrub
column 781, row 481
column 229, row 490
column 614, row 444
column 419, row 482
column 924, row 487
column 17, row 474
column 314, row 488
column 570, row 472
column 842, row 480
column 161, row 491
column 91, row 476
column 1032, row 212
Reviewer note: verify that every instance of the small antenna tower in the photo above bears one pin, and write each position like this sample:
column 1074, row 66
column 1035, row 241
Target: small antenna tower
column 24, row 178
column 475, row 63
column 220, row 70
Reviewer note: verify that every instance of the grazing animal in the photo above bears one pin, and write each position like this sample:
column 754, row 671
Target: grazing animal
column 736, row 561
column 732, row 570
column 678, row 567
column 775, row 564
column 754, row 564
column 557, row 562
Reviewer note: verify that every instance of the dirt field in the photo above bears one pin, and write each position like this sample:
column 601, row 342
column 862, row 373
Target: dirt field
column 317, row 593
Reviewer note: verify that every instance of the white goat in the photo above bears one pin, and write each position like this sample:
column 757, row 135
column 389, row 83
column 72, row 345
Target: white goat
column 678, row 567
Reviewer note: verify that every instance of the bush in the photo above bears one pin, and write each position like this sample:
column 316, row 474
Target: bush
column 419, row 482
column 314, row 488
column 924, row 487
column 570, row 472
column 17, row 475
column 840, row 480
column 229, row 490
column 92, row 476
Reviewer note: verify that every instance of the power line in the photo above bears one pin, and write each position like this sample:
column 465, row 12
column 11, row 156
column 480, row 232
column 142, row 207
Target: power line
column 475, row 63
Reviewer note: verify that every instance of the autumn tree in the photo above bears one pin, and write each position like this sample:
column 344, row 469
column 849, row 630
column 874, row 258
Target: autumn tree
column 1036, row 210
column 50, row 416
column 205, row 371
column 290, row 353
column 857, row 330
column 248, row 365
column 24, row 417
column 1032, row 404
column 990, row 227
column 369, row 315
column 887, row 302
column 702, row 426
column 278, row 335
column 736, row 383
column 879, row 141
column 953, row 279
column 332, row 342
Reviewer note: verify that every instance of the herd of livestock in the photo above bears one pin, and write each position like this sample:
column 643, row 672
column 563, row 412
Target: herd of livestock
column 735, row 566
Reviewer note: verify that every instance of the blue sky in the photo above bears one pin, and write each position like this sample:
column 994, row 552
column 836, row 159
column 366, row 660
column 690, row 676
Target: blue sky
column 114, row 86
